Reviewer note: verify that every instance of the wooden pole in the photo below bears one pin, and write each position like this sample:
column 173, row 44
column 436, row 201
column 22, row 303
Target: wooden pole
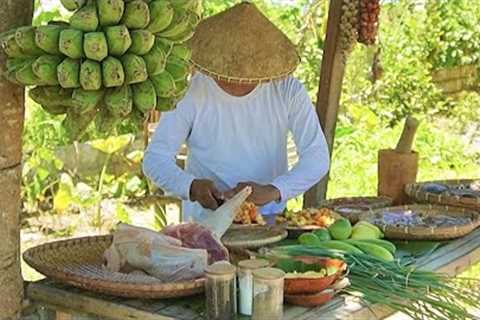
column 13, row 14
column 329, row 91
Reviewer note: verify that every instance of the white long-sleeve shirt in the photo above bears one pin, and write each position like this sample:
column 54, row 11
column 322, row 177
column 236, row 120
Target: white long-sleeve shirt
column 238, row 139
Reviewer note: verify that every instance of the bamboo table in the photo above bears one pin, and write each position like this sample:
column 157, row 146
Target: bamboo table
column 57, row 301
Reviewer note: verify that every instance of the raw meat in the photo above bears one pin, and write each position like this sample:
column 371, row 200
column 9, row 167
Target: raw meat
column 193, row 235
column 157, row 254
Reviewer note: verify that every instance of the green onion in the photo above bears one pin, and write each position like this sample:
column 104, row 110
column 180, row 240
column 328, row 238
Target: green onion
column 399, row 285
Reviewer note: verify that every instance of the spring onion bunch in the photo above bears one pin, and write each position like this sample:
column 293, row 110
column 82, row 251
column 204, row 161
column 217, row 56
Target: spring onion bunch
column 402, row 287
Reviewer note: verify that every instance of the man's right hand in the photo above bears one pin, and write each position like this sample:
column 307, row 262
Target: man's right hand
column 204, row 192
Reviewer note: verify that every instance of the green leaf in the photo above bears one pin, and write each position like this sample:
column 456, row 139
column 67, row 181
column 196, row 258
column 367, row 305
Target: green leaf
column 65, row 194
column 122, row 214
column 113, row 144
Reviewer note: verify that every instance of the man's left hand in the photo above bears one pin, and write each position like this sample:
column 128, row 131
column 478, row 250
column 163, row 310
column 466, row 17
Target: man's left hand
column 261, row 194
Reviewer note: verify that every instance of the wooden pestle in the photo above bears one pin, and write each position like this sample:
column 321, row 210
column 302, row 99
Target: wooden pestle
column 405, row 142
column 398, row 167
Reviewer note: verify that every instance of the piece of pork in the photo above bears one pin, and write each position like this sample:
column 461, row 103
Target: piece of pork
column 157, row 254
column 193, row 235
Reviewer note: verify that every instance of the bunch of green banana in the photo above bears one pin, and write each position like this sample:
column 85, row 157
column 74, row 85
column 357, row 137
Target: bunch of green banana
column 113, row 59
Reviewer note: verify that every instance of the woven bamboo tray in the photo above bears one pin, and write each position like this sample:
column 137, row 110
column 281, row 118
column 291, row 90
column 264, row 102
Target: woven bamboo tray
column 253, row 237
column 352, row 207
column 422, row 232
column 414, row 191
column 78, row 262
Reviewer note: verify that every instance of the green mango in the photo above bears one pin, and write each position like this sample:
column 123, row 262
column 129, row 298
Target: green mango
column 340, row 229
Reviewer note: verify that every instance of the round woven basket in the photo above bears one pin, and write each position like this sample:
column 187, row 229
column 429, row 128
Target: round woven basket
column 79, row 262
column 414, row 191
column 352, row 207
column 253, row 237
column 422, row 232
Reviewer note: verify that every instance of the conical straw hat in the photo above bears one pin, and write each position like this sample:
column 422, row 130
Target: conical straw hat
column 242, row 45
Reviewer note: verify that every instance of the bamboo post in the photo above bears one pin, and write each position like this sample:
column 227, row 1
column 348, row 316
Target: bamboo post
column 329, row 91
column 13, row 14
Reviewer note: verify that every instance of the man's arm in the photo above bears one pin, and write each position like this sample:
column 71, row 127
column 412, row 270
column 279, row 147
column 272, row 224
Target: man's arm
column 159, row 161
column 312, row 149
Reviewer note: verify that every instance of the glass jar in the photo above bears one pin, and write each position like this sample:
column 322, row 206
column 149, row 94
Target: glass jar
column 221, row 291
column 245, row 283
column 268, row 294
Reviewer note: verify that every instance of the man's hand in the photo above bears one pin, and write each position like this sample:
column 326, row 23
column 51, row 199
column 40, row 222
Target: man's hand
column 204, row 192
column 261, row 194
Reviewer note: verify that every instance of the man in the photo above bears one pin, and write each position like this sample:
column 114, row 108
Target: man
column 235, row 118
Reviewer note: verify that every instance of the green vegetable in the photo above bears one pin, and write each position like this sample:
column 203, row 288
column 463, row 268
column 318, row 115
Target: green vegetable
column 365, row 230
column 382, row 243
column 309, row 239
column 340, row 229
column 322, row 234
column 373, row 250
column 419, row 294
column 338, row 245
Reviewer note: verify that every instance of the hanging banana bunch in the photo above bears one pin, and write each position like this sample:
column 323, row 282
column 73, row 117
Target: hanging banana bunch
column 113, row 60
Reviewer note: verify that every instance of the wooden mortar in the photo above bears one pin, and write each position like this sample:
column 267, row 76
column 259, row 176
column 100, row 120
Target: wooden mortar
column 399, row 166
